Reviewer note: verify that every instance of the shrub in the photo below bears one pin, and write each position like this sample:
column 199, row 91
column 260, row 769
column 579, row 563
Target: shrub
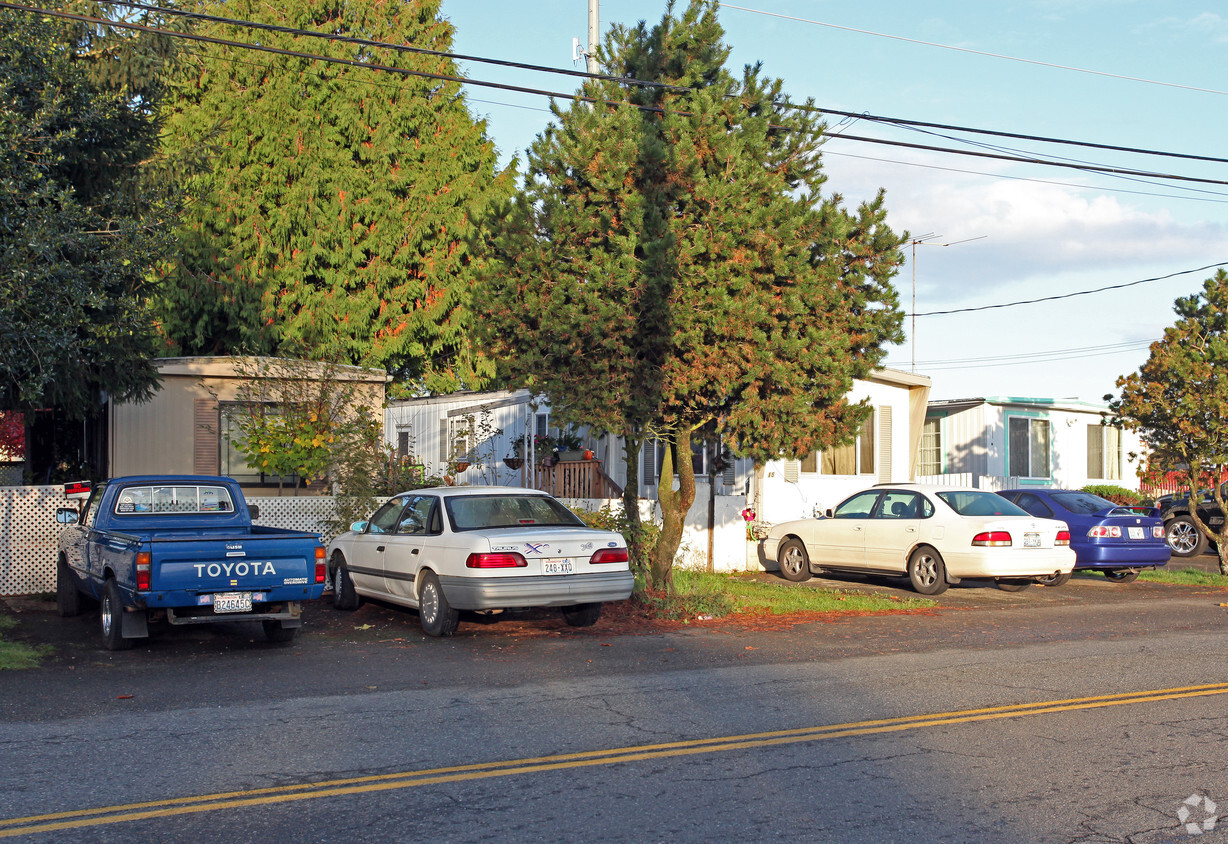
column 615, row 518
column 1116, row 494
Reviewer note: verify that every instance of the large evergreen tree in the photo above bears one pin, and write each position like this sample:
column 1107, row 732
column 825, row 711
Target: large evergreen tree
column 340, row 201
column 81, row 225
column 673, row 266
column 1178, row 400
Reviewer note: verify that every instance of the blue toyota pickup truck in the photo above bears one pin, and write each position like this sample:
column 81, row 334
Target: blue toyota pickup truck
column 183, row 549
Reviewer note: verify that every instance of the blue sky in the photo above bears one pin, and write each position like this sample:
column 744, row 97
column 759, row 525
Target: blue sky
column 1027, row 231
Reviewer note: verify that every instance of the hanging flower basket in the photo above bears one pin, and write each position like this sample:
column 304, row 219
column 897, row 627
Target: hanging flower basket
column 513, row 462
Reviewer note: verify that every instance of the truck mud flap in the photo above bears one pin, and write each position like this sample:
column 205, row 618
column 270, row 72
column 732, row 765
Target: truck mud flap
column 290, row 614
column 134, row 625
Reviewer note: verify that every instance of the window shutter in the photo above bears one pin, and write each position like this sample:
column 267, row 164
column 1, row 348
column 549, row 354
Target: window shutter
column 648, row 462
column 884, row 438
column 730, row 476
column 205, row 437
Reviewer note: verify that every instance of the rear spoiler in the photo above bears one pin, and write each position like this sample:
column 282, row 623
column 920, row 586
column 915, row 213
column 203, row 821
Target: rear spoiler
column 1132, row 510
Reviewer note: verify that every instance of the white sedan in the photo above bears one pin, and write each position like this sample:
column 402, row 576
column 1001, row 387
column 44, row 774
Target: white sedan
column 447, row 549
column 936, row 535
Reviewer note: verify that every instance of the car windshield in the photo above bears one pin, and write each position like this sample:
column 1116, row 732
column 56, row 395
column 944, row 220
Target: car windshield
column 977, row 503
column 1082, row 503
column 480, row 512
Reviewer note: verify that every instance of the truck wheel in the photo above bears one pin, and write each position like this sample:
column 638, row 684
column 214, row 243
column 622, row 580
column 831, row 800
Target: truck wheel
column 111, row 615
column 582, row 615
column 1184, row 537
column 435, row 614
column 67, row 598
column 275, row 632
column 344, row 596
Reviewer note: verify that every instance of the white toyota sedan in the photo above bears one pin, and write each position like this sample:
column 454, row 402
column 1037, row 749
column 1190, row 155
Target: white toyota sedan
column 447, row 549
column 936, row 535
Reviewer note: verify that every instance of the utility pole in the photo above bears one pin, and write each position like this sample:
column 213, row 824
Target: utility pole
column 594, row 35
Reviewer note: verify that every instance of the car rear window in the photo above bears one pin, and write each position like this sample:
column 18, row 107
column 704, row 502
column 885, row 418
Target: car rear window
column 480, row 512
column 1083, row 503
column 135, row 500
column 975, row 503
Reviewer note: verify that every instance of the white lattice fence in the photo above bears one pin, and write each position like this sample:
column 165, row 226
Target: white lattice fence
column 309, row 513
column 29, row 532
column 28, row 537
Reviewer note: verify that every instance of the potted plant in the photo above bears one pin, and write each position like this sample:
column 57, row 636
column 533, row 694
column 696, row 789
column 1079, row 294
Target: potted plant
column 569, row 446
column 515, row 458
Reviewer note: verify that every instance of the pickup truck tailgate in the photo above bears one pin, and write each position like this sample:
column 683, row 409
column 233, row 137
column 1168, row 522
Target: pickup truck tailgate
column 193, row 570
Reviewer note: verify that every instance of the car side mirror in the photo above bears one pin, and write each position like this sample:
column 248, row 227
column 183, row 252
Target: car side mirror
column 67, row 515
column 359, row 526
column 829, row 513
column 254, row 511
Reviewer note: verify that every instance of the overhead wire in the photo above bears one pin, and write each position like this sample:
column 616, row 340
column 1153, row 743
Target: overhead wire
column 1070, row 295
column 977, row 52
column 573, row 73
column 1023, row 178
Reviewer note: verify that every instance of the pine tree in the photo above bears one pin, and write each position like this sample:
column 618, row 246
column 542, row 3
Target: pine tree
column 340, row 201
column 1178, row 400
column 674, row 266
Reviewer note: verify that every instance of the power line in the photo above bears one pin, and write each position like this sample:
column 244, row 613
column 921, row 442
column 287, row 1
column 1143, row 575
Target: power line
column 1023, row 160
column 1071, row 295
column 552, row 94
column 402, row 48
column 1018, row 178
column 899, row 121
column 976, row 52
column 366, row 42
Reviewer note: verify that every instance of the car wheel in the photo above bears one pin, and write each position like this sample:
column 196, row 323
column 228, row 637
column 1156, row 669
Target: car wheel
column 1184, row 537
column 344, row 596
column 434, row 613
column 1055, row 579
column 111, row 617
column 1121, row 575
column 794, row 561
column 582, row 615
column 1007, row 584
column 275, row 632
column 927, row 571
column 67, row 598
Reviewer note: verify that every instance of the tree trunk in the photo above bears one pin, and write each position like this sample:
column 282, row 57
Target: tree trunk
column 675, row 503
column 631, row 501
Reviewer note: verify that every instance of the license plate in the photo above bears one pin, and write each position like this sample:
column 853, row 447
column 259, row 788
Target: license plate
column 1137, row 533
column 561, row 565
column 232, row 602
column 1031, row 540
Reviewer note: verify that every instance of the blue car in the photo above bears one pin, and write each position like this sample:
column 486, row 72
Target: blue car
column 1117, row 540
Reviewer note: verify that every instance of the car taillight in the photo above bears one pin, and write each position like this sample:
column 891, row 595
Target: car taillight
column 143, row 571
column 992, row 537
column 1105, row 532
column 610, row 555
column 1063, row 537
column 321, row 565
column 495, row 561
column 1157, row 531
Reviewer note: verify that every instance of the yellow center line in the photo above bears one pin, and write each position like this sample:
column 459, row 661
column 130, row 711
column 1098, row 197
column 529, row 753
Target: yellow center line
column 76, row 819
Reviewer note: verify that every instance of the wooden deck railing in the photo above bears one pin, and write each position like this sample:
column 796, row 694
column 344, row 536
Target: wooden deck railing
column 574, row 479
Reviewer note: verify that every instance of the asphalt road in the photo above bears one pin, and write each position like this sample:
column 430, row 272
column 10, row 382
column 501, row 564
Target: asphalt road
column 1088, row 713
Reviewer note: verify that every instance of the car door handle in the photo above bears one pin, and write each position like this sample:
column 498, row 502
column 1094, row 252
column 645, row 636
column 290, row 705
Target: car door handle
column 379, row 547
column 414, row 551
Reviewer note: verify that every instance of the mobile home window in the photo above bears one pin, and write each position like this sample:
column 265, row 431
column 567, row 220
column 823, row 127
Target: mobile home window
column 1029, row 447
column 931, row 448
column 1103, row 452
column 855, row 458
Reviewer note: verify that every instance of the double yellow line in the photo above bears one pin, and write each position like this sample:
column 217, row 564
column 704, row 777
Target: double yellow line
column 12, row 827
